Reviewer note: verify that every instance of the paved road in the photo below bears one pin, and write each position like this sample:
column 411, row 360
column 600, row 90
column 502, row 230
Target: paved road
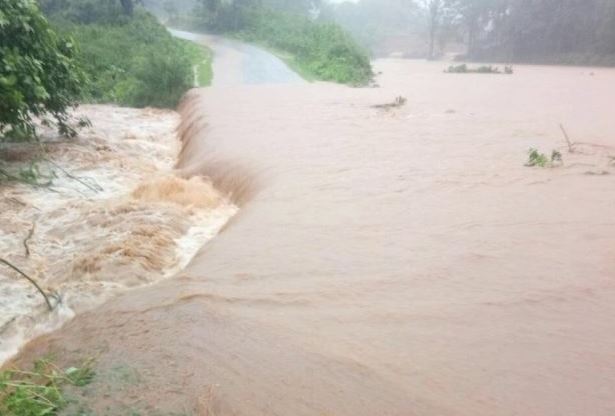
column 237, row 63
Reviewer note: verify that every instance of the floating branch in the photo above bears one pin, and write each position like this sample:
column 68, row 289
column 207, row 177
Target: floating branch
column 31, row 280
column 95, row 187
column 398, row 102
column 568, row 142
column 28, row 237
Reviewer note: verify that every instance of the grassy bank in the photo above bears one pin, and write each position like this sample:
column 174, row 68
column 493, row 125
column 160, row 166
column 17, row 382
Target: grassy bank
column 202, row 58
column 132, row 60
column 316, row 50
column 42, row 390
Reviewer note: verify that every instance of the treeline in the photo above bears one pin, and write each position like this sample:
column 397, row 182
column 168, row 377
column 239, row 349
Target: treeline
column 542, row 31
column 374, row 22
column 559, row 31
column 316, row 47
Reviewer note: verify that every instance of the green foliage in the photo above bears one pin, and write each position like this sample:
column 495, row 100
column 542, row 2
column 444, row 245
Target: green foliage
column 537, row 159
column 38, row 73
column 319, row 50
column 40, row 392
column 86, row 11
column 202, row 59
column 134, row 61
column 485, row 69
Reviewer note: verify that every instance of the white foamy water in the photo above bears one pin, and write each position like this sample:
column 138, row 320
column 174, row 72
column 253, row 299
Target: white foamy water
column 115, row 217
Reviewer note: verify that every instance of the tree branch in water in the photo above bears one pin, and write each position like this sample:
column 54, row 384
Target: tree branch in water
column 31, row 280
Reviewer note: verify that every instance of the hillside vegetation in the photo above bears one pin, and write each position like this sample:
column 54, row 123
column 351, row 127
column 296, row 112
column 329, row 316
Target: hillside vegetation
column 317, row 50
column 129, row 58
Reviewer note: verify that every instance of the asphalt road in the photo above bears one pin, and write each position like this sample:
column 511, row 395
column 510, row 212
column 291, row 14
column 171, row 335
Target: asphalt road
column 237, row 63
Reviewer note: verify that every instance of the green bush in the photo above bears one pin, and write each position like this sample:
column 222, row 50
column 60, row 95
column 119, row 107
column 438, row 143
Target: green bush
column 40, row 392
column 38, row 72
column 86, row 11
column 537, row 159
column 136, row 64
column 159, row 79
column 319, row 50
column 129, row 60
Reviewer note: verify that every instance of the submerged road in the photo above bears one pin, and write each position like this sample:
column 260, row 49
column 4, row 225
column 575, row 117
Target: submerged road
column 400, row 262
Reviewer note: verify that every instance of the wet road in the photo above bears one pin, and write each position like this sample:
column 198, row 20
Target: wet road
column 237, row 63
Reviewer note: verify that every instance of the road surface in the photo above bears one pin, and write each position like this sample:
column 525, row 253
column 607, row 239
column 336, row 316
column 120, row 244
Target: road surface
column 237, row 63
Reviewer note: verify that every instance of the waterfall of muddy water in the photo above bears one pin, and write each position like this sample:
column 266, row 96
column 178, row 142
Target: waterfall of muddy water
column 400, row 262
column 117, row 217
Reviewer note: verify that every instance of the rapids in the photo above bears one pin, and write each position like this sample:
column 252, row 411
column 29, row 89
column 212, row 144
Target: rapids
column 115, row 216
column 383, row 262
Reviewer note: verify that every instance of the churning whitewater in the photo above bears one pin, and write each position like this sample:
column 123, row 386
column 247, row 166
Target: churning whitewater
column 118, row 218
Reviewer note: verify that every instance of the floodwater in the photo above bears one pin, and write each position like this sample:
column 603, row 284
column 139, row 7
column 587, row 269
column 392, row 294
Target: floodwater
column 383, row 262
column 113, row 216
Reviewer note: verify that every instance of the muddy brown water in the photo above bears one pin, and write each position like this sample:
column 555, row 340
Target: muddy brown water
column 400, row 262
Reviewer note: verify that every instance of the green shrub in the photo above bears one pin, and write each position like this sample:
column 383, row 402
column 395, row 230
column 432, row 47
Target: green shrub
column 537, row 159
column 159, row 79
column 40, row 392
column 319, row 50
column 484, row 69
column 85, row 11
column 136, row 64
column 38, row 73
column 129, row 60
column 202, row 59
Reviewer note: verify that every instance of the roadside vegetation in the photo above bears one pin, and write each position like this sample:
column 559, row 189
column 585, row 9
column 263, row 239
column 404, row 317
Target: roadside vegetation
column 55, row 54
column 128, row 57
column 41, row 391
column 318, row 49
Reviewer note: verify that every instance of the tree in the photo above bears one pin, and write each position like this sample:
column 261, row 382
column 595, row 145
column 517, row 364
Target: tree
column 38, row 73
column 170, row 8
column 128, row 6
column 434, row 7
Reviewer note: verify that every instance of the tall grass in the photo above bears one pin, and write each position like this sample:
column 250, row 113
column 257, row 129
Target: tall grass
column 319, row 50
column 135, row 62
